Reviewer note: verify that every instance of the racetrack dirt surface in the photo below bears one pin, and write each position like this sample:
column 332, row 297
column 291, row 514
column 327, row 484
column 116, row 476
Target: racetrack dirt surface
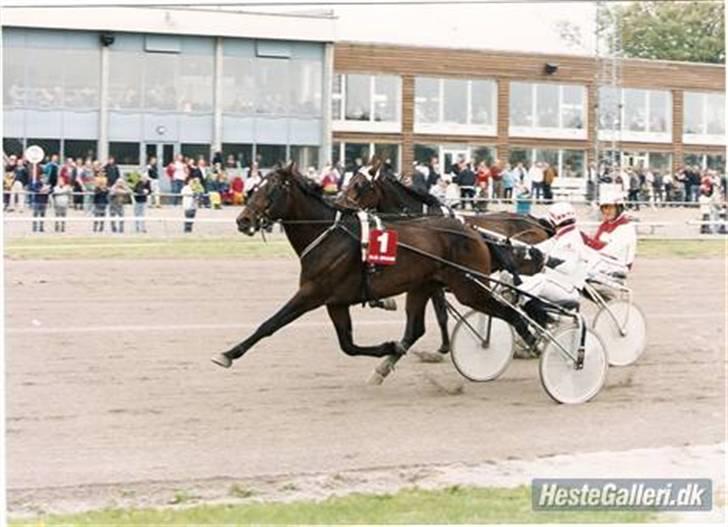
column 109, row 382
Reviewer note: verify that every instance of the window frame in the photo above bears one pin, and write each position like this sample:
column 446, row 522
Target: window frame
column 341, row 124
column 468, row 128
column 703, row 137
column 647, row 135
column 549, row 132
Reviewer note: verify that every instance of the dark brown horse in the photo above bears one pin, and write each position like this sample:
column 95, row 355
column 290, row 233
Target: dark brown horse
column 386, row 195
column 326, row 240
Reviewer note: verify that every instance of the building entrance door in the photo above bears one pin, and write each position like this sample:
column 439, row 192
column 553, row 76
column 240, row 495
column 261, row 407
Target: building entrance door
column 451, row 156
column 164, row 152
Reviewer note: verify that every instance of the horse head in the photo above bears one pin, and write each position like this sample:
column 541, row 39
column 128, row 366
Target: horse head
column 362, row 191
column 270, row 200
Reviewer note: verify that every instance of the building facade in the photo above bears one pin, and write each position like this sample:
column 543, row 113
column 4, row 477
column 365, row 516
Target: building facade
column 164, row 82
column 136, row 82
column 412, row 103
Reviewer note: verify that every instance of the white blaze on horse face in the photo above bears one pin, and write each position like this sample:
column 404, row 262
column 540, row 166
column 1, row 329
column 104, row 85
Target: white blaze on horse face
column 376, row 176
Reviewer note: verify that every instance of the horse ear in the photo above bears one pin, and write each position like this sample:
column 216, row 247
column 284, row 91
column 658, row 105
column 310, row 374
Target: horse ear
column 291, row 168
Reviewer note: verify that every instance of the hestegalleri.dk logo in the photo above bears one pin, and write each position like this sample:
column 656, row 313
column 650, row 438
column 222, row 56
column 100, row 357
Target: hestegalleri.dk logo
column 622, row 494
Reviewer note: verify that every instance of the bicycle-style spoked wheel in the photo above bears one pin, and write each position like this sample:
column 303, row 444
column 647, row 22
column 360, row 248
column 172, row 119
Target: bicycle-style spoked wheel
column 481, row 346
column 559, row 376
column 625, row 348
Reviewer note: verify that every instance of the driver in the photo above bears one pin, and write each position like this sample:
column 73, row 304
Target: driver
column 613, row 247
column 565, row 270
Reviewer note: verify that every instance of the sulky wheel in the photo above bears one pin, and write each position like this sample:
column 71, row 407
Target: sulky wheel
column 481, row 346
column 624, row 348
column 562, row 381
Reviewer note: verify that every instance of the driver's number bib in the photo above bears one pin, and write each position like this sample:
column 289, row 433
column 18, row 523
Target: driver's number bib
column 382, row 247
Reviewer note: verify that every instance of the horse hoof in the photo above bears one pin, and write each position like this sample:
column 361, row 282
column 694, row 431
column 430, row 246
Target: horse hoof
column 428, row 356
column 222, row 360
column 375, row 379
column 389, row 304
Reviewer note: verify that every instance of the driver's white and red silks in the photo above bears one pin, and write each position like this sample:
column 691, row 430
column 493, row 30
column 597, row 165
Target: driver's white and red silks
column 616, row 239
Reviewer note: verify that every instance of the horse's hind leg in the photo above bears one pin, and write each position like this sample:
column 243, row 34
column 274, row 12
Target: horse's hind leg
column 440, row 306
column 303, row 301
column 341, row 318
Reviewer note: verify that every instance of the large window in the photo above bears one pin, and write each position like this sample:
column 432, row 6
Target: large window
column 79, row 149
column 635, row 114
column 241, row 152
column 547, row 110
column 569, row 164
column 353, row 154
column 306, row 86
column 425, row 153
column 238, row 85
column 124, row 153
column 366, row 102
column 704, row 118
column 12, row 146
column 195, row 151
column 161, row 81
column 455, row 106
column 126, row 70
column 268, row 156
column 305, row 156
column 706, row 161
column 51, row 78
column 272, row 86
column 195, row 83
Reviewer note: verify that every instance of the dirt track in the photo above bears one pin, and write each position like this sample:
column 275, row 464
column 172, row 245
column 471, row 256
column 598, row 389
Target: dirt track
column 105, row 386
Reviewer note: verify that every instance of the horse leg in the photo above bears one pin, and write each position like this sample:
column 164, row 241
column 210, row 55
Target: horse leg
column 302, row 302
column 415, row 328
column 341, row 318
column 440, row 306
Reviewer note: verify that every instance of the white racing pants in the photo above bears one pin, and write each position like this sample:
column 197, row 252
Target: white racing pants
column 550, row 285
column 601, row 264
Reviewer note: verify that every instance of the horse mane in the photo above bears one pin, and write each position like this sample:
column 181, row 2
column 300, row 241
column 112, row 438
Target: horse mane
column 309, row 187
column 421, row 197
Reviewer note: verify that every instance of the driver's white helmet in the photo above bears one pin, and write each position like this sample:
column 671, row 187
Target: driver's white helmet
column 611, row 198
column 560, row 213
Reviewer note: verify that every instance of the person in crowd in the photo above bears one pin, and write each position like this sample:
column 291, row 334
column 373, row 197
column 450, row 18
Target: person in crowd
column 535, row 178
column 694, row 178
column 142, row 190
column 50, row 171
column 466, row 181
column 77, row 184
column 241, row 190
column 483, row 179
column 634, row 188
column 100, row 200
column 69, row 171
column 152, row 173
column 658, row 187
column 61, row 200
column 439, row 190
column 179, row 173
column 189, row 204
column 8, row 180
column 20, row 184
column 118, row 196
column 111, row 169
column 329, row 184
column 419, row 178
column 433, row 172
column 519, row 173
column 549, row 177
column 496, row 177
column 510, row 177
column 39, row 190
column 669, row 185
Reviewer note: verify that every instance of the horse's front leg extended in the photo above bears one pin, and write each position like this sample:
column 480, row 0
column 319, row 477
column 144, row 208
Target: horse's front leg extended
column 341, row 318
column 303, row 301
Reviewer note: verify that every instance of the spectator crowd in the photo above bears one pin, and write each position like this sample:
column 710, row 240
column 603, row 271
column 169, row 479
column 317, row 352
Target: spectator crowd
column 102, row 191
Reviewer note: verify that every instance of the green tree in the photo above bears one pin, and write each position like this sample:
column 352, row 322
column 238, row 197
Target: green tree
column 687, row 31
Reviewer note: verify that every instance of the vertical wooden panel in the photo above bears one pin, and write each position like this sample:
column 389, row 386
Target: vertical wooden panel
column 592, row 116
column 408, row 119
column 503, row 101
column 677, row 128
